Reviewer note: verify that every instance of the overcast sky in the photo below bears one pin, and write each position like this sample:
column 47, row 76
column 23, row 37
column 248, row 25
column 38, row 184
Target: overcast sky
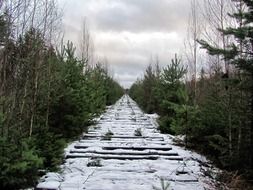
column 129, row 32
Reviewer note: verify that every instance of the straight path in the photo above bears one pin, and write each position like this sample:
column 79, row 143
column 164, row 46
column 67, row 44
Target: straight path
column 125, row 151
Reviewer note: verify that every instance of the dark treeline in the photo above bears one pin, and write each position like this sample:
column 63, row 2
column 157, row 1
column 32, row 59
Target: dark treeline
column 214, row 112
column 47, row 97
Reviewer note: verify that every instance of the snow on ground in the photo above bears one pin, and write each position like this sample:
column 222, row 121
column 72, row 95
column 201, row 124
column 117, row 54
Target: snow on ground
column 124, row 161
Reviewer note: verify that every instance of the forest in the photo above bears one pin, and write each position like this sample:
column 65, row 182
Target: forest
column 208, row 101
column 48, row 96
column 52, row 89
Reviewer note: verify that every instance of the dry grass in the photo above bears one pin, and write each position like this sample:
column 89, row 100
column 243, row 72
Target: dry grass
column 235, row 181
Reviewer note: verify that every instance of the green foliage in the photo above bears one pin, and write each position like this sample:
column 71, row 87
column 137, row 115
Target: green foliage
column 136, row 92
column 164, row 185
column 215, row 125
column 47, row 99
column 232, row 109
column 143, row 91
column 219, row 121
column 171, row 94
column 138, row 132
column 164, row 124
column 94, row 163
column 113, row 91
column 50, row 148
column 173, row 73
column 19, row 164
column 70, row 110
column 108, row 135
column 161, row 92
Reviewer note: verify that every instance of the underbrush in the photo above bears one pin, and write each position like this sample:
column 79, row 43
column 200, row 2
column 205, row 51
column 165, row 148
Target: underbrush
column 235, row 180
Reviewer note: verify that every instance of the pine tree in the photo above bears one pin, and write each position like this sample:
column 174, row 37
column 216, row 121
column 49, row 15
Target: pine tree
column 167, row 92
column 240, row 54
column 148, row 85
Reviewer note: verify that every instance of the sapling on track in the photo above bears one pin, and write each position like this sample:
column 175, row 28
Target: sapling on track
column 117, row 116
column 164, row 185
column 94, row 163
column 138, row 132
column 108, row 135
column 133, row 119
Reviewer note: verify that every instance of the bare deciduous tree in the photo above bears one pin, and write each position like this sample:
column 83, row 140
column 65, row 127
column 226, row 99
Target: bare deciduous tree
column 86, row 45
column 191, row 45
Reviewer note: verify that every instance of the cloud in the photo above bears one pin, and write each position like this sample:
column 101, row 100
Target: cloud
column 143, row 15
column 129, row 32
column 130, row 15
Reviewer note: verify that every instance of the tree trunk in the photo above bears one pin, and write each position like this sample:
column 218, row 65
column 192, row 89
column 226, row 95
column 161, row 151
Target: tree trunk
column 49, row 93
column 251, row 128
column 186, row 126
column 239, row 141
column 34, row 101
column 230, row 124
column 23, row 105
column 33, row 12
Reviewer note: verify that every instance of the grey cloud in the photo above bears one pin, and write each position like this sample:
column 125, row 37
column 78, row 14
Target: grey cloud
column 144, row 15
column 128, row 32
column 131, row 15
